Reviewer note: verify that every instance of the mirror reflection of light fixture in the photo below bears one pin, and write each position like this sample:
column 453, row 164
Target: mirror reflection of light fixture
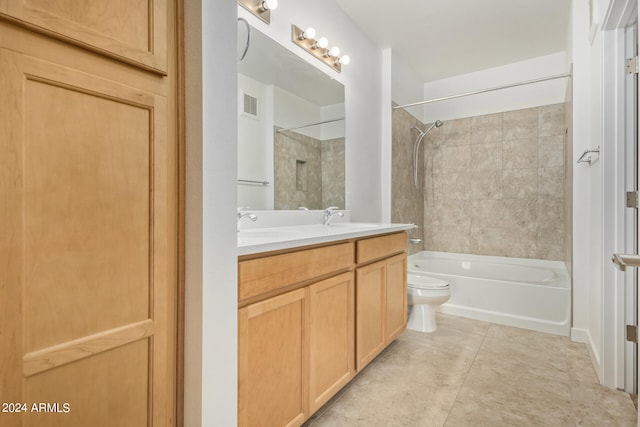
column 319, row 48
column 260, row 8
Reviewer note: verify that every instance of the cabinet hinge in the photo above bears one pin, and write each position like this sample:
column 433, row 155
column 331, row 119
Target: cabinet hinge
column 632, row 333
column 632, row 199
column 632, row 65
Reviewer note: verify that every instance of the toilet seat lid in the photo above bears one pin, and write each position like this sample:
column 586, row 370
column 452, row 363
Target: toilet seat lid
column 425, row 282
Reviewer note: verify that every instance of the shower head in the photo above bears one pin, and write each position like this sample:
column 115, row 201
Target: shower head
column 436, row 124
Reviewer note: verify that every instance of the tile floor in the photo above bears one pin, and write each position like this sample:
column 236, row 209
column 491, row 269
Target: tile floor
column 471, row 373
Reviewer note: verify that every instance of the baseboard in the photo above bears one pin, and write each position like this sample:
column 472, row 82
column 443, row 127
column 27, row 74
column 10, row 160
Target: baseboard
column 579, row 335
column 583, row 336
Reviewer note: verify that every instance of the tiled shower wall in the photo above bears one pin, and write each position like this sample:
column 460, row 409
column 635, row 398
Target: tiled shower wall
column 495, row 184
column 308, row 172
column 333, row 173
column 407, row 200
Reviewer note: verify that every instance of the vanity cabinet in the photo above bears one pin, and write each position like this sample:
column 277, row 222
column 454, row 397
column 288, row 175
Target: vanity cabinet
column 308, row 318
column 296, row 349
column 381, row 294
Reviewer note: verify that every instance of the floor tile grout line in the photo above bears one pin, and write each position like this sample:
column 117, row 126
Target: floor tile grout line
column 484, row 337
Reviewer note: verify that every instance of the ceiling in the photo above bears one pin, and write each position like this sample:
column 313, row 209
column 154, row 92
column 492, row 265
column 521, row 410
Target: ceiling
column 445, row 38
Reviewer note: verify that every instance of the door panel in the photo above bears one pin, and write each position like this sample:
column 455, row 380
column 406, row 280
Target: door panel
column 396, row 317
column 84, row 197
column 106, row 142
column 272, row 347
column 131, row 30
column 370, row 312
column 118, row 380
column 331, row 340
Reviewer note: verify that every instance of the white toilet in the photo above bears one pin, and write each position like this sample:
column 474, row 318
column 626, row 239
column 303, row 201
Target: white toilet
column 425, row 294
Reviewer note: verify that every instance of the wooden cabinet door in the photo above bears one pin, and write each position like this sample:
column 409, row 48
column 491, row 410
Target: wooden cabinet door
column 85, row 290
column 370, row 312
column 396, row 297
column 272, row 350
column 331, row 337
column 131, row 31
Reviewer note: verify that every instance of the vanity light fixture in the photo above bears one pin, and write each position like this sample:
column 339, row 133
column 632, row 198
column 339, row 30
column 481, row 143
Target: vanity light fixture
column 319, row 48
column 344, row 60
column 309, row 33
column 333, row 52
column 322, row 43
column 269, row 5
column 260, row 8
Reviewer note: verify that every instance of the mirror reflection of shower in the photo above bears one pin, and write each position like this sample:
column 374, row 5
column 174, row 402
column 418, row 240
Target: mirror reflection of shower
column 416, row 147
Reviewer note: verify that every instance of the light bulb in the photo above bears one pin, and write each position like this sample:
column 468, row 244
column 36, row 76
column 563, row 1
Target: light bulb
column 309, row 33
column 269, row 5
column 345, row 60
column 321, row 43
column 334, row 51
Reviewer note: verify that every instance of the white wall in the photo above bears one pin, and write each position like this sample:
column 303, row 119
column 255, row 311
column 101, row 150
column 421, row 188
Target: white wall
column 590, row 262
column 363, row 94
column 210, row 382
column 255, row 145
column 527, row 96
column 334, row 129
column 406, row 85
column 580, row 52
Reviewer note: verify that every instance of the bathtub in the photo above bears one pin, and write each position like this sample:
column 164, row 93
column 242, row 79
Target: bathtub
column 525, row 293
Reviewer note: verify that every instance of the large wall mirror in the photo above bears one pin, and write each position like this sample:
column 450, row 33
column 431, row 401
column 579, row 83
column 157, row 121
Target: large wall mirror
column 291, row 125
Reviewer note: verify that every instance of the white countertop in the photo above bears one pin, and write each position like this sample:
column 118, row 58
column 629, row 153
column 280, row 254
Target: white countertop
column 256, row 240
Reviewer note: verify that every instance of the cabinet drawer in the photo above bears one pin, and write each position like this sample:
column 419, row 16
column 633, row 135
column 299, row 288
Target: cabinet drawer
column 380, row 247
column 262, row 275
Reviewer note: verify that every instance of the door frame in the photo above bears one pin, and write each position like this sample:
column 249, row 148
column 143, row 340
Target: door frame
column 620, row 14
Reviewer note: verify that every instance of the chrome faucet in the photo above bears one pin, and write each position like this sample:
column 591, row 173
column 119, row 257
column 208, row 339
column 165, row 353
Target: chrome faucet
column 251, row 216
column 328, row 215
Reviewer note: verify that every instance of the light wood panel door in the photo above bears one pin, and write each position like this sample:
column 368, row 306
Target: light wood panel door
column 85, row 290
column 396, row 297
column 370, row 312
column 331, row 337
column 272, row 353
column 133, row 31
